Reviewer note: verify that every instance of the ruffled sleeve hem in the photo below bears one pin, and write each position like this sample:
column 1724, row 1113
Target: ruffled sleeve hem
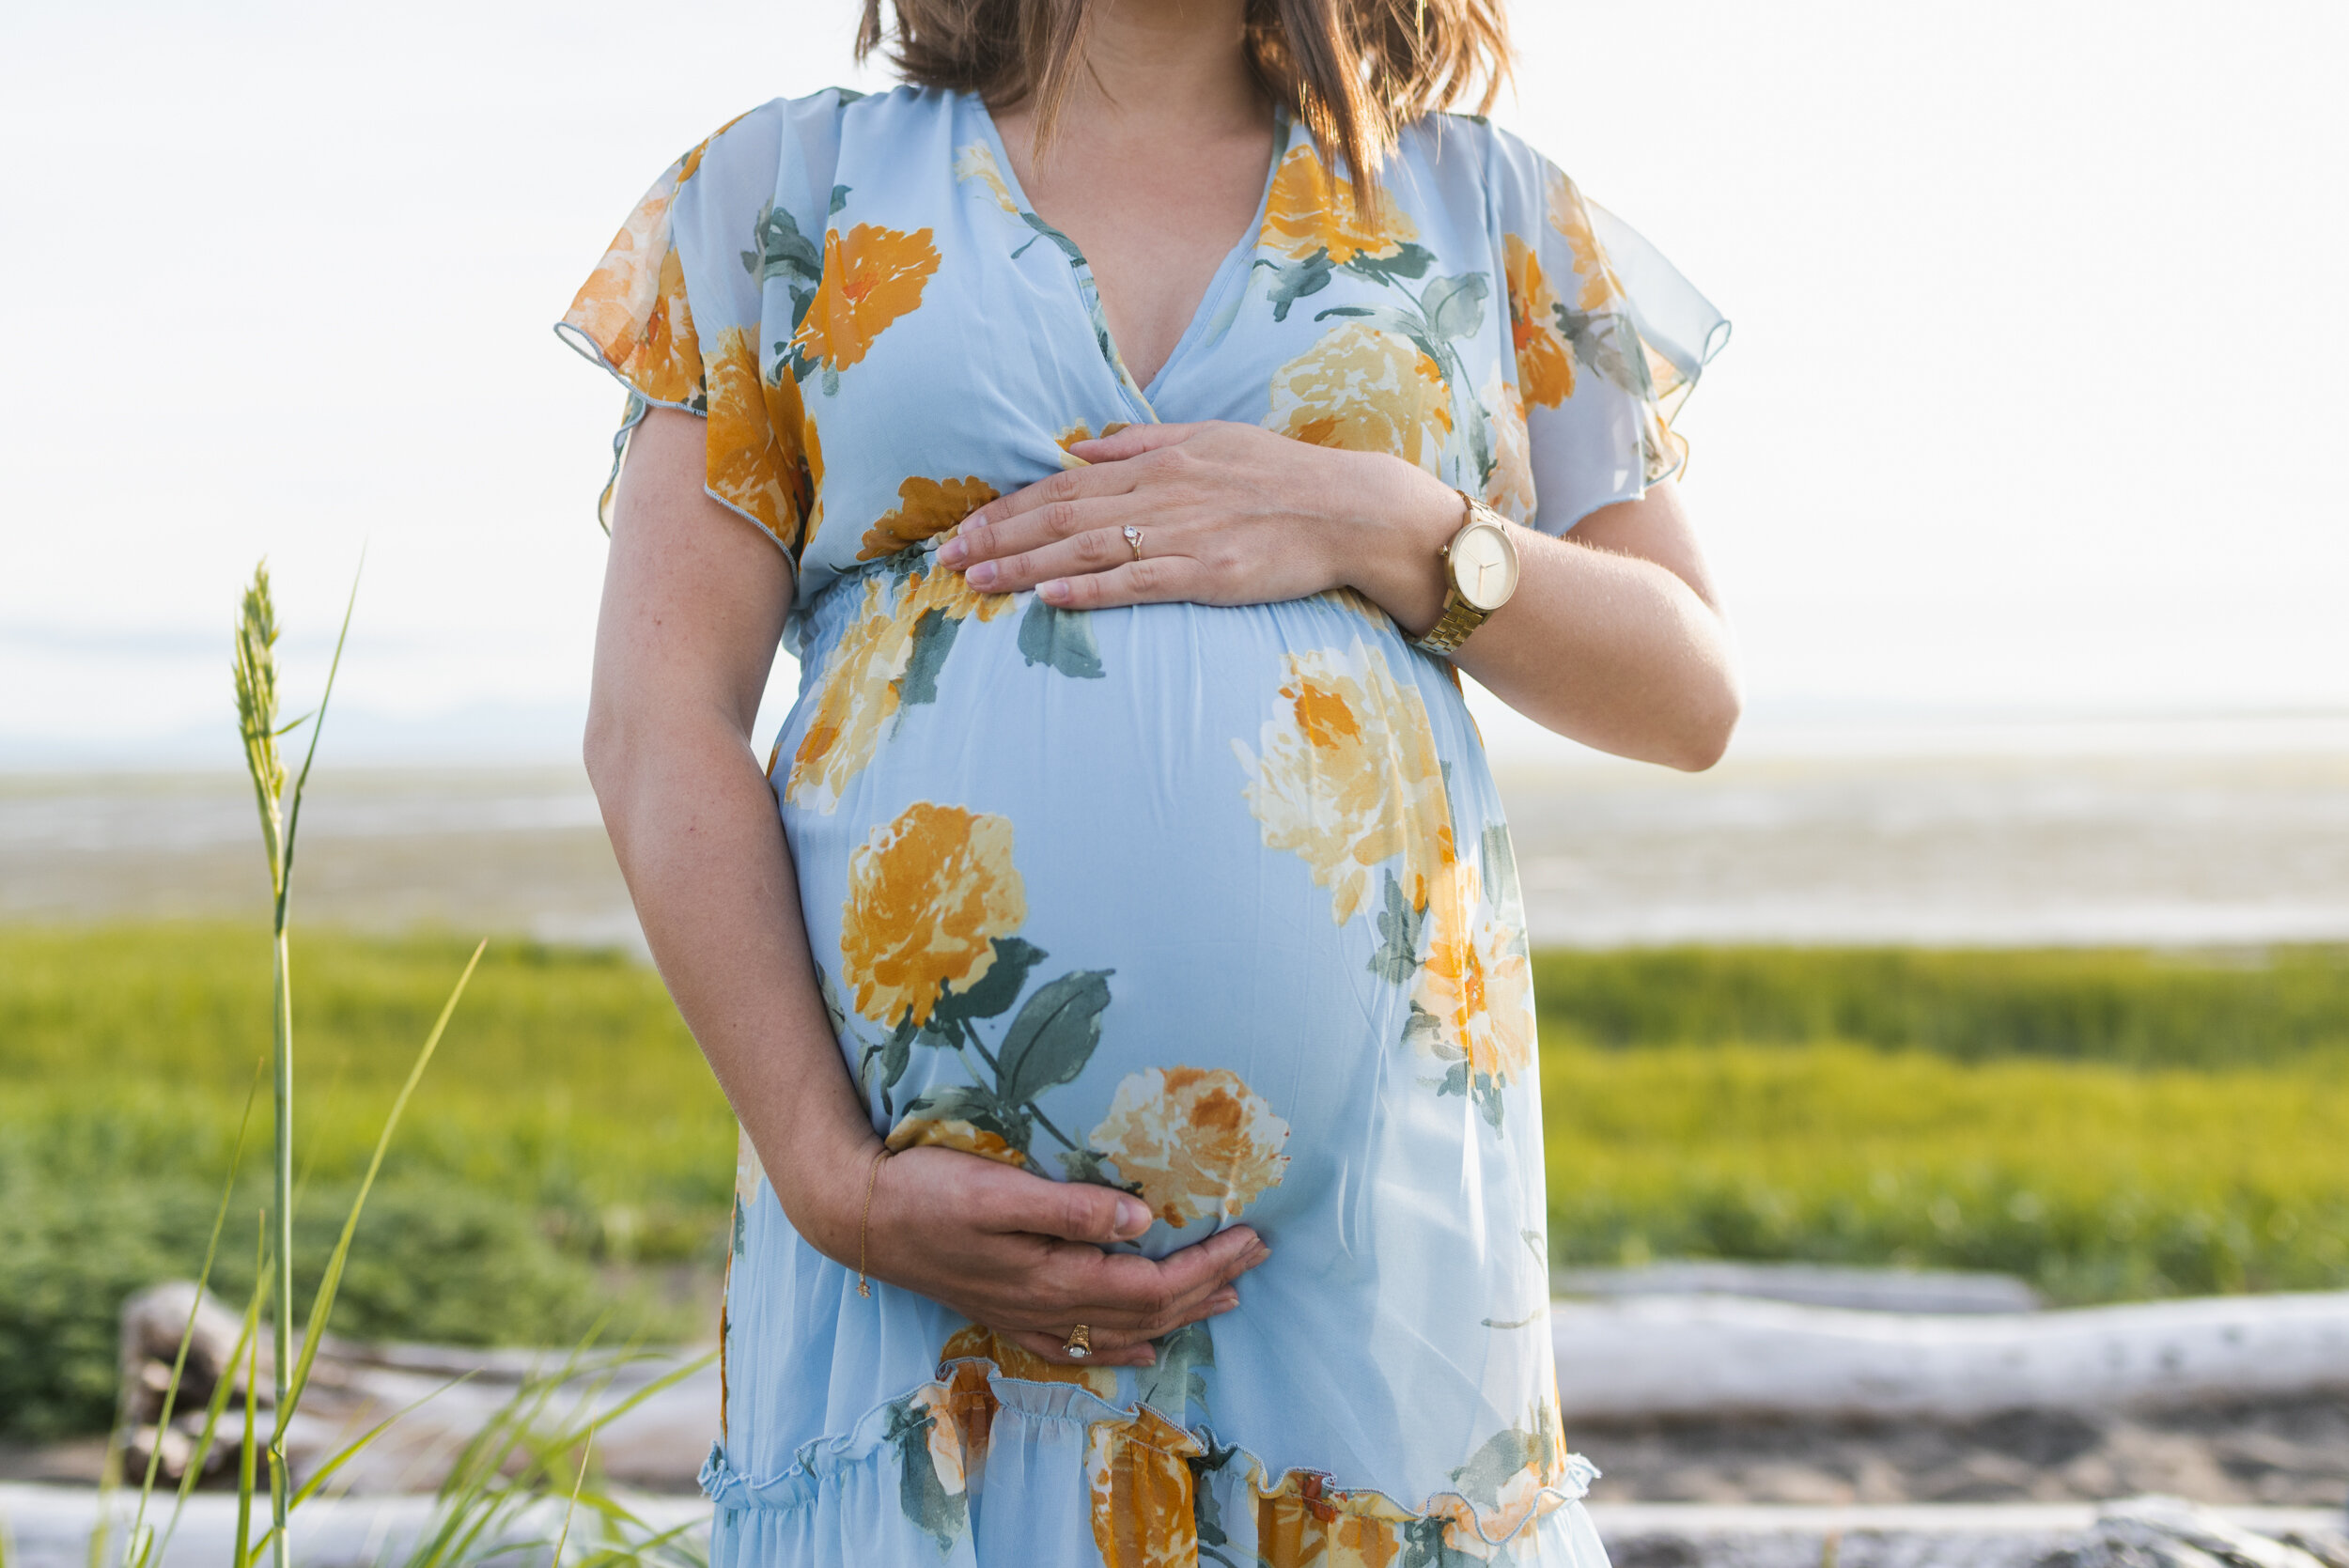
column 1610, row 341
column 635, row 316
column 978, row 1463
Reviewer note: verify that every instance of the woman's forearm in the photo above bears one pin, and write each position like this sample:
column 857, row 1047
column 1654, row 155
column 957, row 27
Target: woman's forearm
column 1613, row 636
column 694, row 826
column 693, row 608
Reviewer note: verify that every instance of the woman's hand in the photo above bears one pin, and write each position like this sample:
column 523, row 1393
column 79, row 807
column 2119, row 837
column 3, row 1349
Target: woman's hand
column 1025, row 1256
column 1615, row 635
column 1230, row 514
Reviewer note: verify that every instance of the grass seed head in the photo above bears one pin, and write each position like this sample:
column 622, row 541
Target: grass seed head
column 256, row 686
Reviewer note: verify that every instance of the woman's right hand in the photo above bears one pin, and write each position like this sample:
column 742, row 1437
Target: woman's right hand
column 1027, row 1256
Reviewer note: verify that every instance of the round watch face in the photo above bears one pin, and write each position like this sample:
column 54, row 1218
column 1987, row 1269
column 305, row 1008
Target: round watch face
column 1484, row 566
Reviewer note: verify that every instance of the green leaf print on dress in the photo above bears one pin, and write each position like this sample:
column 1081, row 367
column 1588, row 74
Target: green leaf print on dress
column 931, row 1487
column 1062, row 639
column 928, row 951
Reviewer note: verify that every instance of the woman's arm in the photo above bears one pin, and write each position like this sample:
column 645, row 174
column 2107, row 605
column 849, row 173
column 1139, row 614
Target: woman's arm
column 693, row 602
column 1613, row 637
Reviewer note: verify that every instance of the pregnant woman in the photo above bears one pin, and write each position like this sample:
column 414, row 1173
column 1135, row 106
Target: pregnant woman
column 1119, row 970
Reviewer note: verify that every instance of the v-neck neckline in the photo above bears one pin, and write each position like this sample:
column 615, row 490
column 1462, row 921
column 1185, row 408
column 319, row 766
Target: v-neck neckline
column 1239, row 258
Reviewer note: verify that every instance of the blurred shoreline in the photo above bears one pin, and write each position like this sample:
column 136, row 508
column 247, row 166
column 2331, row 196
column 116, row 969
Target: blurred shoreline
column 2216, row 832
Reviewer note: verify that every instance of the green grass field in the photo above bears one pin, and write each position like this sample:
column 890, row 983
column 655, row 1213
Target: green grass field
column 2109, row 1125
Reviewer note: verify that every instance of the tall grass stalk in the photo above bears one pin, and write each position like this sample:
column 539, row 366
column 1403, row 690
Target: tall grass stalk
column 255, row 667
column 256, row 670
column 141, row 1539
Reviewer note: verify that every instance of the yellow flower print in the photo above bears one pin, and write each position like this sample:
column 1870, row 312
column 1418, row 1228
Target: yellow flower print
column 939, row 588
column 667, row 356
column 1366, row 391
column 977, row 162
column 1309, row 210
column 1475, row 983
column 928, row 894
column 634, row 306
column 1197, row 1141
column 871, row 277
column 1509, row 488
column 752, row 464
column 802, row 461
column 954, row 1133
column 1081, row 431
column 1544, row 360
column 1572, row 220
column 812, row 453
column 1301, row 1523
column 856, row 696
column 925, row 506
column 1143, row 1510
column 971, row 1405
column 1016, row 1362
column 1350, row 776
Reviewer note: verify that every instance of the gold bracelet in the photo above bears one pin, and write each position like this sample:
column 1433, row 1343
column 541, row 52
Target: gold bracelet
column 865, row 1227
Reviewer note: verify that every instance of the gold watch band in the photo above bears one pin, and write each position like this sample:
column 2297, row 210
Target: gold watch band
column 1453, row 627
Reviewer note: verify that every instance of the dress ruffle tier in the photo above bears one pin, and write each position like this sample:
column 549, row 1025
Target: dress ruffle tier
column 980, row 1467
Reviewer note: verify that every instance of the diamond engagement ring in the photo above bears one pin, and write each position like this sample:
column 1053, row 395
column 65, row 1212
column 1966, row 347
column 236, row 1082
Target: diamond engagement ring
column 1133, row 541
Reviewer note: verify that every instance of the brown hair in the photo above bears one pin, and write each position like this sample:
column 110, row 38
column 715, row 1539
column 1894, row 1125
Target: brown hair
column 1356, row 71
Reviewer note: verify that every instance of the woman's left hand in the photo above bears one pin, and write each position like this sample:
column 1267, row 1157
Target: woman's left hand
column 1228, row 514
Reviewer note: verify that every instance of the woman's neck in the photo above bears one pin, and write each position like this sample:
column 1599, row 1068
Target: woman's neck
column 1156, row 70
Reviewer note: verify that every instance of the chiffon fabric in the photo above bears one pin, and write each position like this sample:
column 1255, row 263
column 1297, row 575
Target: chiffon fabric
column 1216, row 906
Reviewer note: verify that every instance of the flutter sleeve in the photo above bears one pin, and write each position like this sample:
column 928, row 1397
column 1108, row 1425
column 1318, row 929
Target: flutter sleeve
column 1610, row 340
column 673, row 312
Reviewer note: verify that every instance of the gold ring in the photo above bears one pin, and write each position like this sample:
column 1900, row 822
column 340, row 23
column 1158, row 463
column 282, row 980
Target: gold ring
column 1133, row 541
column 1078, row 1345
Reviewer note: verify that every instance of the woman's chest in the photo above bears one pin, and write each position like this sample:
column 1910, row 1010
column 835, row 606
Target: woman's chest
column 1153, row 229
column 947, row 344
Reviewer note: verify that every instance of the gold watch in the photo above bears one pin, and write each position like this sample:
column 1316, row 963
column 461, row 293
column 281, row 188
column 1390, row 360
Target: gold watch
column 1481, row 571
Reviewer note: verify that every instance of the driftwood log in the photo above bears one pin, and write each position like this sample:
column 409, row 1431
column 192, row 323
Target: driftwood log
column 441, row 1396
column 1716, row 1356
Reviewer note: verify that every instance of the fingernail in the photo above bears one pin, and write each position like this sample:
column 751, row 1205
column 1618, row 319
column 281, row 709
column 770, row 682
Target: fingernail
column 1148, row 1357
column 1224, row 1303
column 980, row 576
column 952, row 551
column 1132, row 1217
column 1053, row 591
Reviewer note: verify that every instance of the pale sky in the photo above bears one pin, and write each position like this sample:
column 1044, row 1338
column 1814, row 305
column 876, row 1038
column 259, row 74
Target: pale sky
column 2033, row 405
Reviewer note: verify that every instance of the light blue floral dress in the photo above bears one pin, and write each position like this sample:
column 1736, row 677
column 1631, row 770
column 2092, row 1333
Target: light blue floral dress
column 1216, row 906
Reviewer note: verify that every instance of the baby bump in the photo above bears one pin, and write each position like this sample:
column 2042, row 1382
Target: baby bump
column 1212, row 904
